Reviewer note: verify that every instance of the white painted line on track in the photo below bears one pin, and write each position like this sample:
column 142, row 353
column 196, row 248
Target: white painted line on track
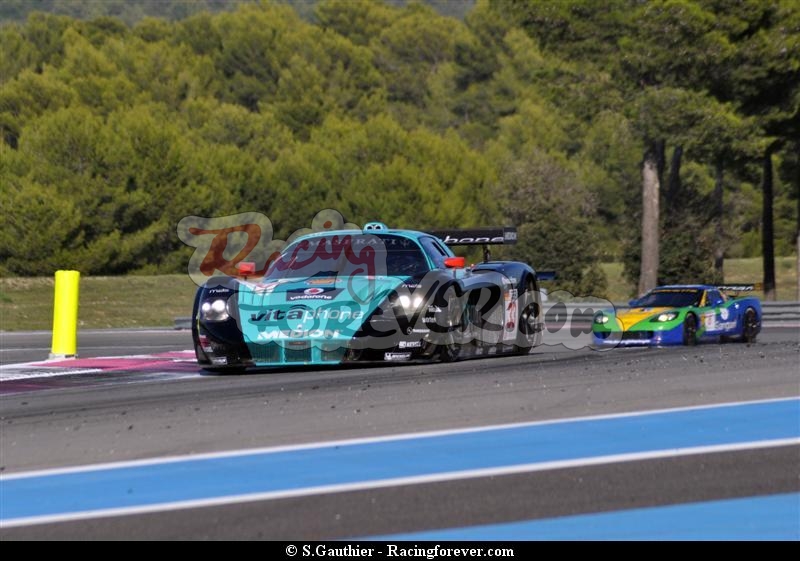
column 395, row 482
column 45, row 374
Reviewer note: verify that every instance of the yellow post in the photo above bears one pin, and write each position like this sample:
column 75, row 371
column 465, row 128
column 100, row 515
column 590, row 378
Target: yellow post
column 65, row 315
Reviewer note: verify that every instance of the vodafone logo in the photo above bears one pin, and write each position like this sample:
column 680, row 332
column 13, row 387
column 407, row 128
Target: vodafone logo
column 312, row 293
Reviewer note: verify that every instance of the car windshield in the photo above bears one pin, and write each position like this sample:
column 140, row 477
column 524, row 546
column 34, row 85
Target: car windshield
column 350, row 255
column 669, row 299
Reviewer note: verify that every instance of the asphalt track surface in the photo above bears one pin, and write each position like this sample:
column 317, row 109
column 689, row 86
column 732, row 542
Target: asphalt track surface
column 97, row 418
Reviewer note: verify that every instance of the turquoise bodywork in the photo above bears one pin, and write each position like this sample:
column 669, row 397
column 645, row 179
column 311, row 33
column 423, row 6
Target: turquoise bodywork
column 281, row 323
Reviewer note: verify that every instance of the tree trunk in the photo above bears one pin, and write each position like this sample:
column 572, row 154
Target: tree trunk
column 767, row 229
column 648, row 276
column 797, row 247
column 674, row 183
column 797, row 184
column 719, row 234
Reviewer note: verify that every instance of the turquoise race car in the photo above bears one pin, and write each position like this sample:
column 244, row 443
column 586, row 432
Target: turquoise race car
column 371, row 295
column 681, row 315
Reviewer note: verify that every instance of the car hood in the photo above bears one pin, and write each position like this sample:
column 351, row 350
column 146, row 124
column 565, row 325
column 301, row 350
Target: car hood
column 322, row 306
column 631, row 316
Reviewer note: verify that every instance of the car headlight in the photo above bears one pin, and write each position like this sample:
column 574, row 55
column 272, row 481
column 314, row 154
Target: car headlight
column 601, row 319
column 214, row 310
column 409, row 303
column 666, row 316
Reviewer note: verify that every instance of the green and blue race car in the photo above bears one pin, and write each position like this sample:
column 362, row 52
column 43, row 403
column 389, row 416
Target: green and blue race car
column 681, row 315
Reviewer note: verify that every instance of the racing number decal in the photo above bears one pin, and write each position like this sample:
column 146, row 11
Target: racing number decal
column 710, row 321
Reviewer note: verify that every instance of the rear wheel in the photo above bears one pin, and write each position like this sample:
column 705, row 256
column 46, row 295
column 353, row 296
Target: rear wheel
column 750, row 326
column 690, row 330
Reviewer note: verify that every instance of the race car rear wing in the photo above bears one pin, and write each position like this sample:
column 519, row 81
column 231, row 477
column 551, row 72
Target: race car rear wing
column 735, row 289
column 478, row 236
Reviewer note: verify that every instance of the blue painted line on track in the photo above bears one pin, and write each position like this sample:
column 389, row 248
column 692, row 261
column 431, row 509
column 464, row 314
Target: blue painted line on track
column 772, row 517
column 113, row 487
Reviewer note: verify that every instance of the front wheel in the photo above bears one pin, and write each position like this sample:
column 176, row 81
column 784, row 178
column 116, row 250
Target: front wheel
column 690, row 330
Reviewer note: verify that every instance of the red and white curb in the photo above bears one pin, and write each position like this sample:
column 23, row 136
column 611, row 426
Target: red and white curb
column 180, row 362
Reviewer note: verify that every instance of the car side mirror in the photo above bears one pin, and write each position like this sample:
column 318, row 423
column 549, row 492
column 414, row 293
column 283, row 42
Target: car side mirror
column 455, row 262
column 246, row 268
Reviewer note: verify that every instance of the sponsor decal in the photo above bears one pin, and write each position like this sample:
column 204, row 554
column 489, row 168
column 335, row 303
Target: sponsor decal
column 739, row 287
column 724, row 313
column 510, row 313
column 394, row 241
column 477, row 236
column 410, row 344
column 396, row 357
column 276, row 314
column 710, row 321
column 219, row 360
column 280, row 334
column 312, row 294
column 219, row 290
column 726, row 326
column 449, row 240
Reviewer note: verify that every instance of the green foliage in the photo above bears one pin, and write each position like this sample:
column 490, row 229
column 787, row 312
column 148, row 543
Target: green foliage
column 117, row 119
column 128, row 11
column 554, row 213
column 409, row 51
column 360, row 21
column 686, row 254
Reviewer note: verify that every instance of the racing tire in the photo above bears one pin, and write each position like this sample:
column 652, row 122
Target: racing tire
column 529, row 311
column 749, row 326
column 690, row 330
